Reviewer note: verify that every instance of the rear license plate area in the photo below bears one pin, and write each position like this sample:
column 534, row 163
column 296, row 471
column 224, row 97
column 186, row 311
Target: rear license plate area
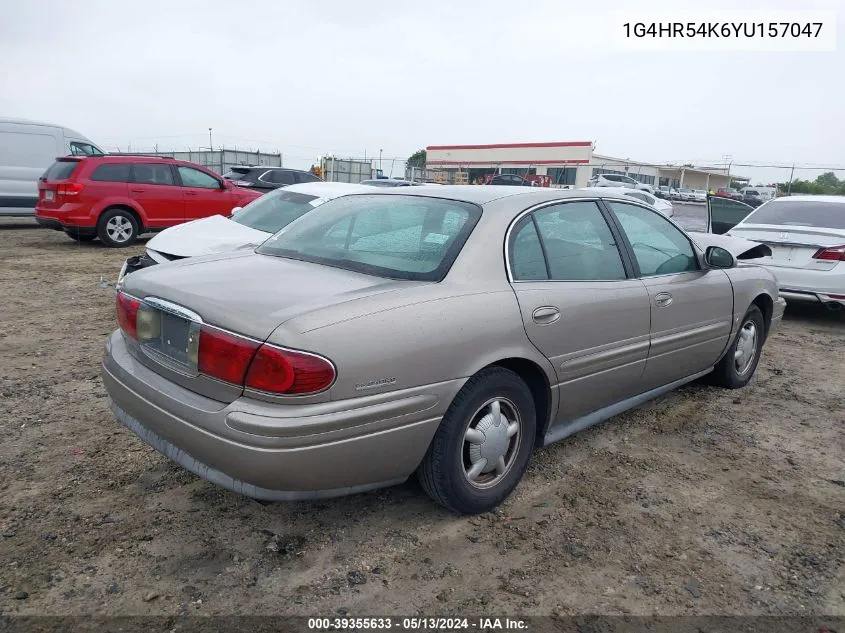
column 171, row 341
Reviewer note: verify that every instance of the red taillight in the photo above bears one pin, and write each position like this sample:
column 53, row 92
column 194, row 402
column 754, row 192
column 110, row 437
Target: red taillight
column 834, row 253
column 288, row 372
column 127, row 314
column 69, row 189
column 224, row 356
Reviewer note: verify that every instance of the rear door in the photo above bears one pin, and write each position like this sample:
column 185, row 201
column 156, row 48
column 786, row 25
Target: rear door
column 580, row 304
column 725, row 213
column 204, row 194
column 691, row 308
column 154, row 187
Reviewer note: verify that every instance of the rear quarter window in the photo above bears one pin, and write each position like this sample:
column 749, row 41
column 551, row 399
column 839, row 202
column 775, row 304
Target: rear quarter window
column 111, row 173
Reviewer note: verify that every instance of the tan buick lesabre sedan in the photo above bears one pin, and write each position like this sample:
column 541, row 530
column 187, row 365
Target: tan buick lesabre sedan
column 443, row 331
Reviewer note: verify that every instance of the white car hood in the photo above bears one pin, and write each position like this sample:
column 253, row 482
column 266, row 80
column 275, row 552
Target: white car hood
column 737, row 246
column 216, row 234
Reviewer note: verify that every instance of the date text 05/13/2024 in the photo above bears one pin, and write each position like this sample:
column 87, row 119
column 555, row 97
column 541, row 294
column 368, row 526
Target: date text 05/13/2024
column 724, row 29
column 416, row 624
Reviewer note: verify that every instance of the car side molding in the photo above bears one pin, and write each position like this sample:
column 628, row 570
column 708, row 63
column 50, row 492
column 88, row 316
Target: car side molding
column 557, row 433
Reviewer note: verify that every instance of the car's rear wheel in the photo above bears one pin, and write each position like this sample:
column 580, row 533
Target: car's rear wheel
column 117, row 228
column 738, row 365
column 483, row 444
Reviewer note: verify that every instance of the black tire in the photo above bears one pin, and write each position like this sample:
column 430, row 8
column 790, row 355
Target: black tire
column 80, row 238
column 727, row 374
column 117, row 228
column 443, row 471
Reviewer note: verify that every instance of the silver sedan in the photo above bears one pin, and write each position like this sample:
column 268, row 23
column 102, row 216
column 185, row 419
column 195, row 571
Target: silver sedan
column 442, row 331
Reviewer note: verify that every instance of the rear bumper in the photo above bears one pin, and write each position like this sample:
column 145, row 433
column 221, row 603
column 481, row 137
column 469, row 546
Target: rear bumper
column 53, row 223
column 810, row 286
column 276, row 451
column 69, row 215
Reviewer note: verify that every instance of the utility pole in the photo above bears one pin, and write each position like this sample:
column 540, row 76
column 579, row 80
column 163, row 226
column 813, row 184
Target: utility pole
column 729, row 160
column 379, row 160
column 210, row 145
column 789, row 186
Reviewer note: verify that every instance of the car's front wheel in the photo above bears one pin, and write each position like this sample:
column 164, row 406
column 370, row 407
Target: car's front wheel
column 738, row 365
column 483, row 444
column 117, row 228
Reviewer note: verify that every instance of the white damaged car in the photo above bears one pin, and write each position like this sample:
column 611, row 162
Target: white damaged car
column 246, row 227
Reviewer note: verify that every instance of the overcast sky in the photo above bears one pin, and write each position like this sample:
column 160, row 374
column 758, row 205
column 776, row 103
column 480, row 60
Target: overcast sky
column 307, row 78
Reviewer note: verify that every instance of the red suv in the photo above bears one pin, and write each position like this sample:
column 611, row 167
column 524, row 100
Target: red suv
column 116, row 198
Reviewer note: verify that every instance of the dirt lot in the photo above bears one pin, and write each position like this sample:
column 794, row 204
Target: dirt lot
column 704, row 501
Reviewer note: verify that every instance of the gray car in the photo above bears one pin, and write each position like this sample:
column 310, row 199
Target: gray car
column 444, row 331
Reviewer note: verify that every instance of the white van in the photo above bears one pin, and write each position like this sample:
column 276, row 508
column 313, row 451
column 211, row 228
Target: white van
column 27, row 149
column 761, row 194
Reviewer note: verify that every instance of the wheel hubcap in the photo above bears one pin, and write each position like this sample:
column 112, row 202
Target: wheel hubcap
column 119, row 228
column 746, row 348
column 491, row 443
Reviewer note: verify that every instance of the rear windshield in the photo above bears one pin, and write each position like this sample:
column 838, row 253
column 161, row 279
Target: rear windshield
column 60, row 170
column 274, row 211
column 829, row 215
column 236, row 174
column 393, row 236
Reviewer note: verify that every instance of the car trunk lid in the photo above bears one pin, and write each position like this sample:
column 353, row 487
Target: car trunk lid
column 252, row 294
column 792, row 246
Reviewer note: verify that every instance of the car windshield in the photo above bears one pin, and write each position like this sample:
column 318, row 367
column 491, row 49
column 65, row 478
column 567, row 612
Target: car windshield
column 274, row 211
column 393, row 236
column 829, row 215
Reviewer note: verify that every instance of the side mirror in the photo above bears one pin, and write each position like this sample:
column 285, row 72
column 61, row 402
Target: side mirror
column 718, row 257
column 225, row 184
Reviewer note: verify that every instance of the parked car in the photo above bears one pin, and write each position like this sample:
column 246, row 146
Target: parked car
column 663, row 206
column 284, row 373
column 116, row 198
column 663, row 192
column 389, row 182
column 686, row 194
column 262, row 178
column 806, row 235
column 699, row 195
column 509, row 179
column 618, row 180
column 729, row 192
column 246, row 227
column 674, row 194
column 27, row 149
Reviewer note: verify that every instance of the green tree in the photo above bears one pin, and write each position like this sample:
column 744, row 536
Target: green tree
column 417, row 159
column 828, row 182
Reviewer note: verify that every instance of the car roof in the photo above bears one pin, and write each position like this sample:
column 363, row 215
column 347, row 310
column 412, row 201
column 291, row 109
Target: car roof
column 482, row 194
column 808, row 198
column 328, row 189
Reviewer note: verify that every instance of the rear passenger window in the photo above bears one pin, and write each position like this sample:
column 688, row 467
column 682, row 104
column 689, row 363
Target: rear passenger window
column 152, row 174
column 111, row 173
column 280, row 177
column 578, row 242
column 572, row 240
column 306, row 177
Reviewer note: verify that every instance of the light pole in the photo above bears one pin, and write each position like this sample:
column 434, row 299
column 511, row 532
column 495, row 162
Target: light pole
column 210, row 146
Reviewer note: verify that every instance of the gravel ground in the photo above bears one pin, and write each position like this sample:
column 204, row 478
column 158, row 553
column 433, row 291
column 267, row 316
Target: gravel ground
column 702, row 502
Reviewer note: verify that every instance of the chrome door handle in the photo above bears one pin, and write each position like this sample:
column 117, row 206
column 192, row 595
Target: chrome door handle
column 545, row 315
column 663, row 299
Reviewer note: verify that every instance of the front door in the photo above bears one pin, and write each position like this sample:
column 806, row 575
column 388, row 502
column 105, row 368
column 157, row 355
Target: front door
column 154, row 187
column 691, row 308
column 580, row 305
column 204, row 194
